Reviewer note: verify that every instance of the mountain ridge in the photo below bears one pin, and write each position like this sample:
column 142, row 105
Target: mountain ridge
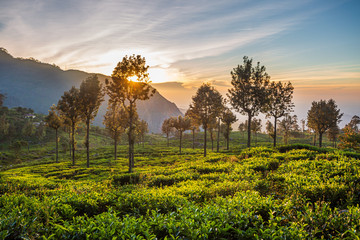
column 37, row 85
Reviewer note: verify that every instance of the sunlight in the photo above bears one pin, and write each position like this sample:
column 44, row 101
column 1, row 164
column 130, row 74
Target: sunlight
column 158, row 75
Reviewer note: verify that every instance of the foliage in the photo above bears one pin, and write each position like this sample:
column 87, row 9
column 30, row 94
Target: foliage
column 280, row 102
column 322, row 116
column 181, row 124
column 287, row 125
column 228, row 118
column 205, row 107
column 123, row 89
column 249, row 93
column 350, row 139
column 303, row 192
column 91, row 96
column 69, row 108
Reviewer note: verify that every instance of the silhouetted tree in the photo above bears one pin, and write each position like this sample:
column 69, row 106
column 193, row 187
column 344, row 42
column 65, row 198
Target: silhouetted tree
column 91, row 96
column 206, row 106
column 167, row 129
column 181, row 124
column 54, row 121
column 228, row 118
column 249, row 93
column 355, row 120
column 115, row 121
column 322, row 116
column 280, row 102
column 287, row 125
column 68, row 107
column 242, row 128
column 130, row 83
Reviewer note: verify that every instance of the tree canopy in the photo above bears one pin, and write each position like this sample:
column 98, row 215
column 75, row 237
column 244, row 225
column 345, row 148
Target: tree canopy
column 322, row 116
column 249, row 92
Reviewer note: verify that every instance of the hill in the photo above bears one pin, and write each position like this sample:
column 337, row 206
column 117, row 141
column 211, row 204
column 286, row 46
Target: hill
column 33, row 84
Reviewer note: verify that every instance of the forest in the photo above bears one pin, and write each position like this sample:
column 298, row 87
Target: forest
column 207, row 176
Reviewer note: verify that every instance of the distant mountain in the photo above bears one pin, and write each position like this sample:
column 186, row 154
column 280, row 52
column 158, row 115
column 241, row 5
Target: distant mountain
column 33, row 84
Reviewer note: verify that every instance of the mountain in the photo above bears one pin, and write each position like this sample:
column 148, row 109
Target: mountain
column 33, row 84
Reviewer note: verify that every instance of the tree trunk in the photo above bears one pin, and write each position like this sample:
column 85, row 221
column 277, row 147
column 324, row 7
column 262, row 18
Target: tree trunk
column 73, row 142
column 57, row 148
column 193, row 138
column 87, row 143
column 249, row 131
column 70, row 144
column 320, row 139
column 180, row 141
column 218, row 138
column 131, row 144
column 167, row 138
column 115, row 146
column 275, row 131
column 314, row 139
column 205, row 141
column 212, row 140
column 228, row 137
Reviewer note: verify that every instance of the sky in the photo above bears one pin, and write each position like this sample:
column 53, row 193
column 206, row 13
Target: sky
column 312, row 43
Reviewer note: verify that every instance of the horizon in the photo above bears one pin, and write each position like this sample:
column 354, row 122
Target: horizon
column 313, row 44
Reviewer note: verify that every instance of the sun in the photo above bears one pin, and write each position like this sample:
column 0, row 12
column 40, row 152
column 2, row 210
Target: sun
column 158, row 75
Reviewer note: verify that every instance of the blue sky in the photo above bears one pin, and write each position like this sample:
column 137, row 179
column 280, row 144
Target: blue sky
column 312, row 43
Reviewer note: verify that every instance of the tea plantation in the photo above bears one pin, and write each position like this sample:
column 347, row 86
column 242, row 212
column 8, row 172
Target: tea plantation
column 291, row 192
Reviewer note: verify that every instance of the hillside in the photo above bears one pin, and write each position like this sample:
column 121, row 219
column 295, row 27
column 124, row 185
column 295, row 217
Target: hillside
column 292, row 192
column 32, row 84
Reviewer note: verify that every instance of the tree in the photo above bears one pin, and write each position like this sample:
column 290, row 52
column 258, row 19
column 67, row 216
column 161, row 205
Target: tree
column 333, row 133
column 249, row 93
column 270, row 129
column 194, row 125
column 130, row 83
column 256, row 127
column 2, row 98
column 142, row 128
column 322, row 116
column 280, row 102
column 181, row 124
column 27, row 131
column 69, row 108
column 206, row 106
column 4, row 126
column 242, row 128
column 212, row 126
column 54, row 121
column 287, row 125
column 228, row 117
column 355, row 120
column 115, row 121
column 350, row 139
column 91, row 96
column 167, row 129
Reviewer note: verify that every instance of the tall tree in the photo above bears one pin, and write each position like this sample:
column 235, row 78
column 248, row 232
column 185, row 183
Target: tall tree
column 249, row 93
column 243, row 128
column 130, row 83
column 206, row 106
column 228, row 117
column 350, row 139
column 181, row 124
column 167, row 128
column 322, row 116
column 212, row 127
column 69, row 108
column 280, row 102
column 91, row 96
column 54, row 121
column 355, row 120
column 115, row 121
column 287, row 125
